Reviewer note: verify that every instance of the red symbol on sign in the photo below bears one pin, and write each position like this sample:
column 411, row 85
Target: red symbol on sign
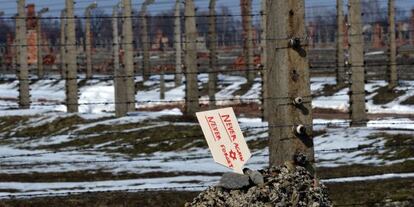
column 233, row 155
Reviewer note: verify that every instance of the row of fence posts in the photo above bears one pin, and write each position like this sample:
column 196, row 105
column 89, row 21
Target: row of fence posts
column 286, row 95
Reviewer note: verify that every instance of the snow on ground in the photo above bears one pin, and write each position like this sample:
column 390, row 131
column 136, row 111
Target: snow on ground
column 133, row 117
column 233, row 83
column 99, row 186
column 97, row 96
column 94, row 92
column 317, row 83
column 340, row 100
column 402, row 124
column 396, row 106
column 195, row 160
column 368, row 178
column 255, row 92
column 348, row 138
column 153, row 95
column 23, row 112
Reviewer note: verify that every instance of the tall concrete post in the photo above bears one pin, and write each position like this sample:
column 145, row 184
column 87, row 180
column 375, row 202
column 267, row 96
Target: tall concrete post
column 356, row 59
column 192, row 99
column 88, row 40
column 178, row 44
column 3, row 65
column 128, row 62
column 392, row 68
column 412, row 26
column 70, row 60
column 212, row 45
column 16, row 58
column 263, row 58
column 248, row 39
column 23, row 69
column 62, row 43
column 340, row 58
column 146, row 44
column 121, row 106
column 40, row 68
column 290, row 111
column 162, row 83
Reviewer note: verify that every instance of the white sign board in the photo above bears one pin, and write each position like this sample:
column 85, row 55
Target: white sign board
column 225, row 138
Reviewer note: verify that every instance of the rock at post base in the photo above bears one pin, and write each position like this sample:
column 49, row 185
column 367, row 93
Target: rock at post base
column 234, row 181
column 281, row 187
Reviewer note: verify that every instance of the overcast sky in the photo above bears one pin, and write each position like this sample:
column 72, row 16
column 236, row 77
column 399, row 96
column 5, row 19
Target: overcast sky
column 9, row 6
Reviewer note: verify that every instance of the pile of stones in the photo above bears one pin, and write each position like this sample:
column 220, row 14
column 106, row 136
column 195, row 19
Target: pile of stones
column 288, row 185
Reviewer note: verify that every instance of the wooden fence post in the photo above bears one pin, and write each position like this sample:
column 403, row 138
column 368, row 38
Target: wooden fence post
column 62, row 43
column 392, row 68
column 88, row 40
column 162, row 83
column 248, row 39
column 23, row 69
column 212, row 46
column 70, row 60
column 191, row 101
column 356, row 57
column 40, row 67
column 146, row 65
column 128, row 62
column 263, row 58
column 340, row 58
column 121, row 107
column 178, row 45
column 290, row 111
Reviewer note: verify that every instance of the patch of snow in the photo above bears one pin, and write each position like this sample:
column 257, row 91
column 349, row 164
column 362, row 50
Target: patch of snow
column 369, row 178
column 111, row 185
column 317, row 83
column 134, row 117
column 338, row 101
column 374, row 53
column 392, row 124
column 24, row 112
column 395, row 106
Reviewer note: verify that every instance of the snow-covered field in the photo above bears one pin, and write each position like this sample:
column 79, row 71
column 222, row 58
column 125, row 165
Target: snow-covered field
column 196, row 160
column 340, row 100
column 98, row 96
column 27, row 155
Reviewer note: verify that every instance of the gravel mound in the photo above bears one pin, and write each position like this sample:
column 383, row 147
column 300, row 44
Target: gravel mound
column 288, row 185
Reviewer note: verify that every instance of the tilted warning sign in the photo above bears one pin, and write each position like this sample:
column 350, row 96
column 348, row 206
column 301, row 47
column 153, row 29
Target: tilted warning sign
column 225, row 138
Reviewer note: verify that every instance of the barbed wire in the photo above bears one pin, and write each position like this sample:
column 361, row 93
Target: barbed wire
column 230, row 70
column 131, row 16
column 201, row 100
column 172, row 41
column 345, row 123
column 360, row 148
column 289, row 100
column 329, row 124
column 135, row 75
column 166, row 16
column 136, row 42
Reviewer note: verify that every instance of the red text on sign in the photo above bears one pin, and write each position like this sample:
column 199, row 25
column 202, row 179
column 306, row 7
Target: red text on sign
column 226, row 155
column 213, row 127
column 228, row 124
column 239, row 151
